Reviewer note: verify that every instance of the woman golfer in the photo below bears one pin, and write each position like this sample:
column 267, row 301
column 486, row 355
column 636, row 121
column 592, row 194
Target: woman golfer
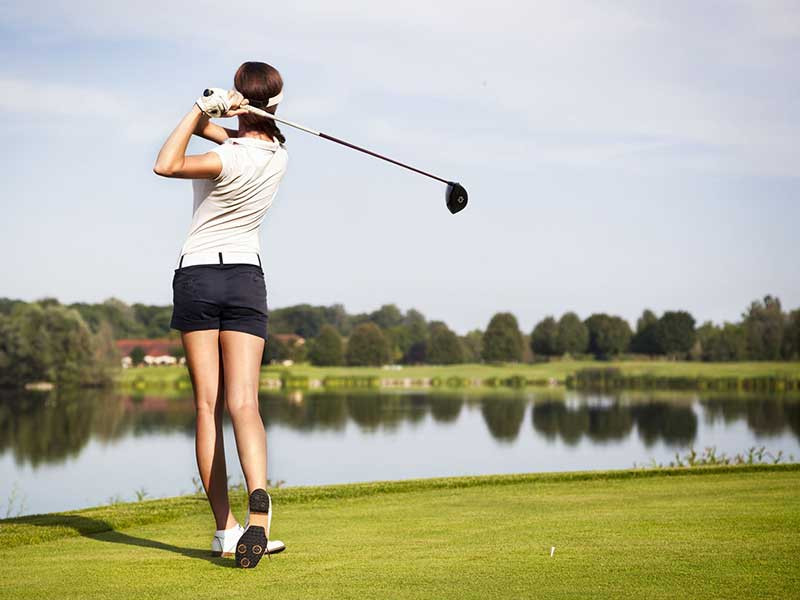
column 219, row 292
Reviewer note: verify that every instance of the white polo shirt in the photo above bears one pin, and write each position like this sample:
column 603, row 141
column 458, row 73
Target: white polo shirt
column 228, row 210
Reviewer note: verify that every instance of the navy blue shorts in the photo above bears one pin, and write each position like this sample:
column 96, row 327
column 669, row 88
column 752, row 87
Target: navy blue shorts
column 220, row 296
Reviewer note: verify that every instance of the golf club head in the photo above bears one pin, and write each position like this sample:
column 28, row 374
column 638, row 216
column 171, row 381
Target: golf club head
column 456, row 197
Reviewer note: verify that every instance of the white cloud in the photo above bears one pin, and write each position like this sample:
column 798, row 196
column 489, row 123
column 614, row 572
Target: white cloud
column 70, row 105
column 678, row 75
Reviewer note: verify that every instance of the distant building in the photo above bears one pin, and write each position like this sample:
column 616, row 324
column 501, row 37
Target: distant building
column 290, row 339
column 156, row 351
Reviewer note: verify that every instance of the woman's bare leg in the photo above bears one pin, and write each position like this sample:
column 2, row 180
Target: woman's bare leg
column 203, row 357
column 241, row 357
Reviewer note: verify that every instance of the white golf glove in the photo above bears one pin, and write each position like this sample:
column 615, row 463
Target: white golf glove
column 214, row 102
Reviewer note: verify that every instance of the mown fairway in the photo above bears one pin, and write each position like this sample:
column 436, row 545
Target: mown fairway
column 704, row 533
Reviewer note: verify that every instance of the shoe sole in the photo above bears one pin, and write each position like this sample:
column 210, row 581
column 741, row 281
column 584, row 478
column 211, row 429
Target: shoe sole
column 253, row 543
column 251, row 547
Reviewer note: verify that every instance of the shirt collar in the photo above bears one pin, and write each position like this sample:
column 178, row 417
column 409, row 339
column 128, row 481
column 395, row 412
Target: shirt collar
column 251, row 141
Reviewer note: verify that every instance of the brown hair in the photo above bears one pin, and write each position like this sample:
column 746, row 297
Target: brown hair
column 258, row 82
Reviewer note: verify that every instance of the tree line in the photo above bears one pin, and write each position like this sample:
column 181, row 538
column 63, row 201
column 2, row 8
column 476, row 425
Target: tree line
column 45, row 340
column 765, row 332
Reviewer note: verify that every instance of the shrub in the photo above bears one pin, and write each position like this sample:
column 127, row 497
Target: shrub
column 326, row 349
column 367, row 346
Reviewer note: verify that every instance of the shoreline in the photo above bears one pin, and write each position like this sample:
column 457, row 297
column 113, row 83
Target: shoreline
column 769, row 376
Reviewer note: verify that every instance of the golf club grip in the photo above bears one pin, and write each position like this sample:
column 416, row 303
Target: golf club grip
column 264, row 113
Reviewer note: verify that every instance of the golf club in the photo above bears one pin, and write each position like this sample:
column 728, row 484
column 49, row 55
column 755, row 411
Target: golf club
column 455, row 196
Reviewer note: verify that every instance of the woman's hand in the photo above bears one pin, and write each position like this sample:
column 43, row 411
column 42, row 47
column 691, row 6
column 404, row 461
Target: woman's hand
column 220, row 103
column 237, row 100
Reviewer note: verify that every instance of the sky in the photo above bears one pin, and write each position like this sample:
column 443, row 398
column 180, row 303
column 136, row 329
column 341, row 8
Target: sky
column 618, row 155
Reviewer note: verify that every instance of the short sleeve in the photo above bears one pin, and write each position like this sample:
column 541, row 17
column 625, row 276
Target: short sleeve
column 227, row 156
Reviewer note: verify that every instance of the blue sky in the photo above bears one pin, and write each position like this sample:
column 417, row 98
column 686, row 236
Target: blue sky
column 618, row 155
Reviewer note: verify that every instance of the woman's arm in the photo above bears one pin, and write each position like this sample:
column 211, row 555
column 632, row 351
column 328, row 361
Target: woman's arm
column 172, row 160
column 211, row 131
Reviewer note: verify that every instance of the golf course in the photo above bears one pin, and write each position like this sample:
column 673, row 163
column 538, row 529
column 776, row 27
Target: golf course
column 710, row 532
column 400, row 301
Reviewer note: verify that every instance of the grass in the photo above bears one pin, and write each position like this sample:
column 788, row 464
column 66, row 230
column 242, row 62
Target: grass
column 708, row 532
column 557, row 370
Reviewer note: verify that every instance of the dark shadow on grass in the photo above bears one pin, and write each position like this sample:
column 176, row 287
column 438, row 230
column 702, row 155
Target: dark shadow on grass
column 103, row 531
column 118, row 537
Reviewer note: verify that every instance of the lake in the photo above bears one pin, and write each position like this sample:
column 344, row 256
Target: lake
column 86, row 448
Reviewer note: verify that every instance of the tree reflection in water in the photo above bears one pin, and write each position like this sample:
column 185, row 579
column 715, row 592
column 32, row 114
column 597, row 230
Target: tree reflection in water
column 445, row 409
column 608, row 418
column 669, row 420
column 50, row 427
column 764, row 415
column 503, row 416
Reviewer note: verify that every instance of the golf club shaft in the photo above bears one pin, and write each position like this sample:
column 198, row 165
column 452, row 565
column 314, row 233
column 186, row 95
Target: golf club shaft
column 264, row 113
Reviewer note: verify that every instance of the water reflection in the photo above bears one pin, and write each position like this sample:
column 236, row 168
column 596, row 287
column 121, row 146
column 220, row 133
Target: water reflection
column 48, row 428
column 674, row 422
column 764, row 416
column 51, row 427
column 503, row 416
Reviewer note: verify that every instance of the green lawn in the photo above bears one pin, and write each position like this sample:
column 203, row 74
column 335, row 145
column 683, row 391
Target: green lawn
column 557, row 370
column 719, row 532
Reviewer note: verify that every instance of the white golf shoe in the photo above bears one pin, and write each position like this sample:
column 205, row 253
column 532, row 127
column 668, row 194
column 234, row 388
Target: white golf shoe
column 224, row 541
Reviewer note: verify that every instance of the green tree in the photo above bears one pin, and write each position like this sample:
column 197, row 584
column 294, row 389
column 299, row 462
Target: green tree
column 473, row 346
column 703, row 336
column 675, row 332
column 502, row 340
column 72, row 346
column 725, row 343
column 414, row 337
column 416, row 324
column 387, row 316
column 106, row 356
column 417, row 354
column 367, row 346
column 121, row 316
column 791, row 338
column 303, row 319
column 543, row 337
column 645, row 340
column 399, row 338
column 298, row 352
column 648, row 318
column 336, row 315
column 764, row 323
column 444, row 347
column 49, row 343
column 572, row 336
column 432, row 325
column 608, row 335
column 326, row 349
column 154, row 319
